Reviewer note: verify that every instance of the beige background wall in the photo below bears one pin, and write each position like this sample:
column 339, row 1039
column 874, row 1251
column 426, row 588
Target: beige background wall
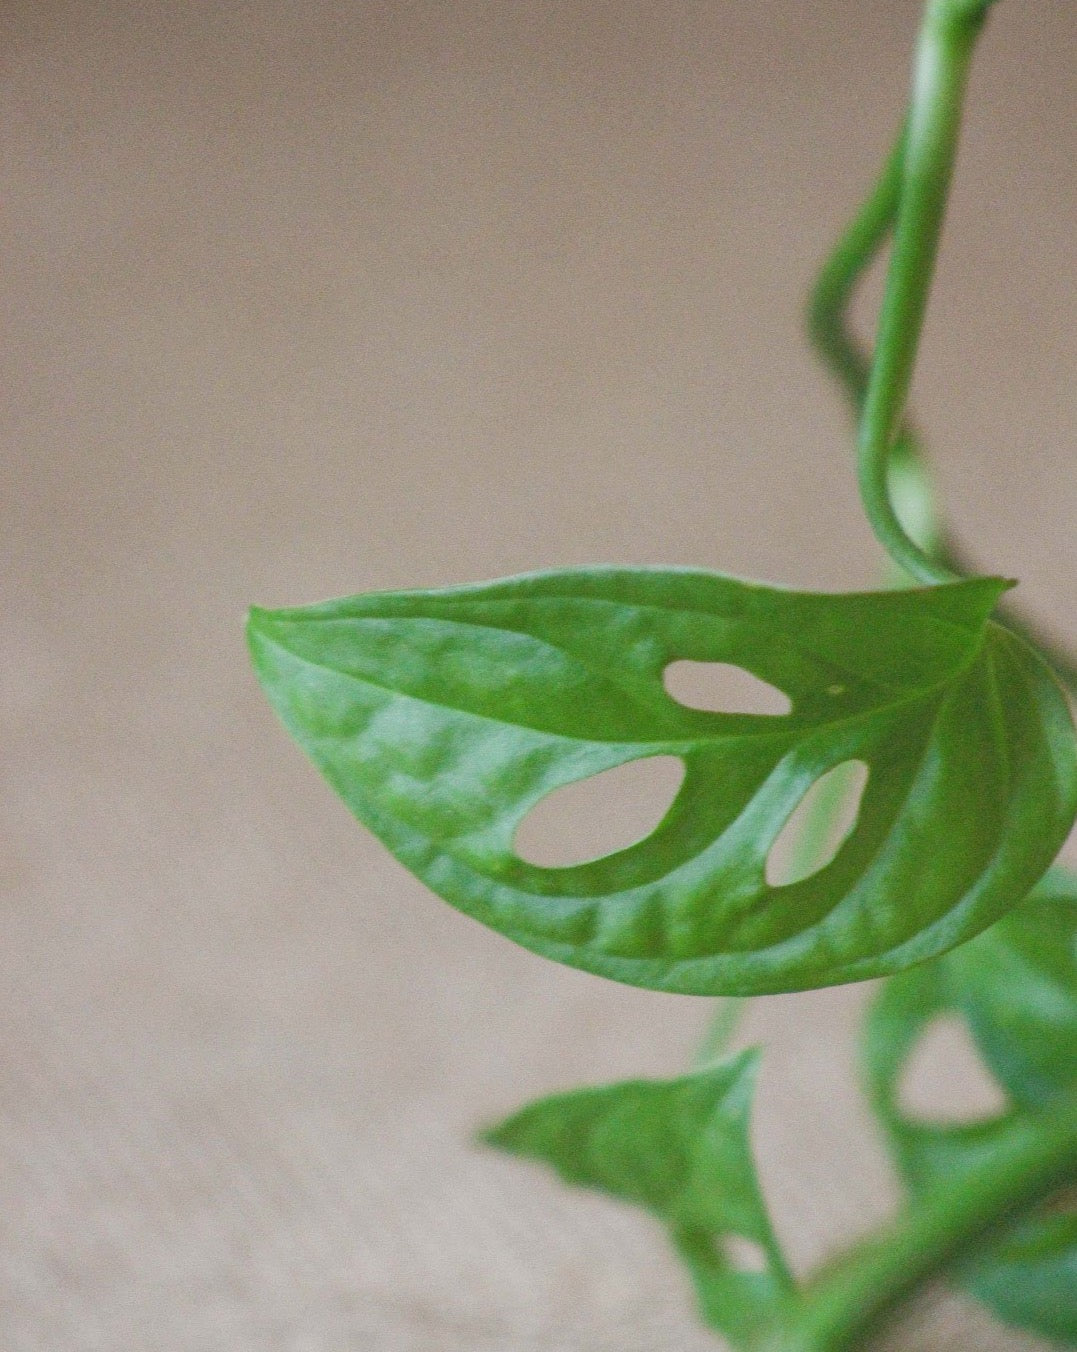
column 305, row 299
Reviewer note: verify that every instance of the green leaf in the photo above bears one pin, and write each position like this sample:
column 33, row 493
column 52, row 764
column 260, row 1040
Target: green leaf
column 442, row 718
column 680, row 1149
column 1016, row 988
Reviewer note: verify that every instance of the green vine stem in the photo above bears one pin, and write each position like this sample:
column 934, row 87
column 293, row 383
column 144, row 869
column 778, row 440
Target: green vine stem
column 944, row 52
column 850, row 1299
column 833, row 340
column 844, row 357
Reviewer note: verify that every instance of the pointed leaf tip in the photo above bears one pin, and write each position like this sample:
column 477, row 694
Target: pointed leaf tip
column 680, row 1149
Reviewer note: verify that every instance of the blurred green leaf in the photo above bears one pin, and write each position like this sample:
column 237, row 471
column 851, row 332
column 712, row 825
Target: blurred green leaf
column 1015, row 986
column 680, row 1149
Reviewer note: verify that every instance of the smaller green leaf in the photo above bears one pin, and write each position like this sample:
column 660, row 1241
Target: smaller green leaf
column 1015, row 986
column 679, row 1148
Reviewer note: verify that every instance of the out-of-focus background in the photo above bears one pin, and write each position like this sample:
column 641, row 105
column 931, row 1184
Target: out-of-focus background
column 304, row 299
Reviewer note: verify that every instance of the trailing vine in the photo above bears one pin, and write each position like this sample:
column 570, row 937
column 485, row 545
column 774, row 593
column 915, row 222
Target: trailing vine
column 443, row 717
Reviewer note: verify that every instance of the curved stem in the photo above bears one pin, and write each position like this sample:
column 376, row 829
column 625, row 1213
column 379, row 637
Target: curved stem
column 840, row 275
column 944, row 53
column 844, row 358
column 723, row 1024
column 848, row 1302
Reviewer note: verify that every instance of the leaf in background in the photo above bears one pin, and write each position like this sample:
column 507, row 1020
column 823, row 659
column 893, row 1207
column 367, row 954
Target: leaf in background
column 680, row 1149
column 1016, row 988
column 443, row 718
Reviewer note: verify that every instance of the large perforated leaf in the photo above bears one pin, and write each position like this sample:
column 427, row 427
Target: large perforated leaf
column 442, row 718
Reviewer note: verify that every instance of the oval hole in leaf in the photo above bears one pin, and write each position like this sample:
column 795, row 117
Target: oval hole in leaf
column 828, row 810
column 743, row 1255
column 722, row 688
column 945, row 1079
column 601, row 814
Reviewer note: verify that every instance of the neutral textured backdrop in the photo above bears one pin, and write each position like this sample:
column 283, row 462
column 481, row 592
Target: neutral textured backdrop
column 310, row 298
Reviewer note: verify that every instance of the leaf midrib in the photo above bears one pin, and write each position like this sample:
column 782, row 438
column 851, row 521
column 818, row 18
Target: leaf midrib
column 304, row 616
column 672, row 745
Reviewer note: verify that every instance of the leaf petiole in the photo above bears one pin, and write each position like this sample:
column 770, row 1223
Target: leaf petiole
column 828, row 328
column 926, row 158
column 837, row 347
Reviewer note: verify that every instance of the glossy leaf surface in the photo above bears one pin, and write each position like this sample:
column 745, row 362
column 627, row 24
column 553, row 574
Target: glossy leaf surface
column 1016, row 988
column 442, row 718
column 678, row 1148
